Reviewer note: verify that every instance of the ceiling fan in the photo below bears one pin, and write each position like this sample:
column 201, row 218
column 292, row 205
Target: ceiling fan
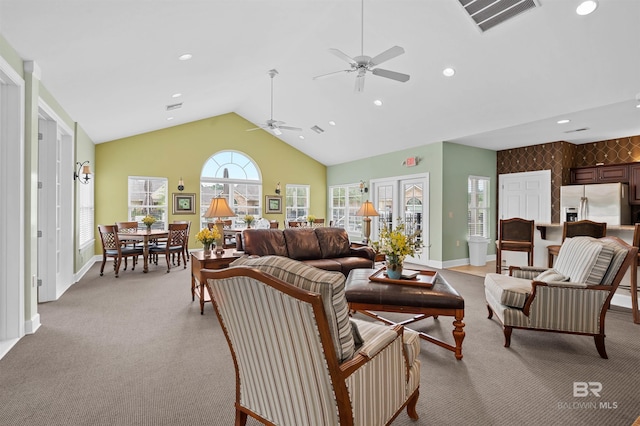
column 361, row 64
column 274, row 125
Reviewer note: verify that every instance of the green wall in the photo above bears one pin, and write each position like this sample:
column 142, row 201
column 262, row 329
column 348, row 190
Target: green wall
column 448, row 166
column 182, row 151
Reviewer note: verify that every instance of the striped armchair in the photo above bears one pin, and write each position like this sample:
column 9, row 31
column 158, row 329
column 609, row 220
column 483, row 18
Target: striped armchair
column 573, row 297
column 299, row 358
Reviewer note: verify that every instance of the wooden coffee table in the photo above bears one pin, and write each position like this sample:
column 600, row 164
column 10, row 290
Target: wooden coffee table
column 369, row 297
column 200, row 261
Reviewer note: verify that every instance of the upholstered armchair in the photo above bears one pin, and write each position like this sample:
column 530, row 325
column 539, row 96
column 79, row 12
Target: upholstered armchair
column 299, row 358
column 573, row 297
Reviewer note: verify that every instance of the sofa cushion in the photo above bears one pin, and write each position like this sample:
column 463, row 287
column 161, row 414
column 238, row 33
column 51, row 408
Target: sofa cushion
column 509, row 291
column 302, row 243
column 330, row 285
column 619, row 253
column 334, row 242
column 584, row 259
column 551, row 275
column 263, row 242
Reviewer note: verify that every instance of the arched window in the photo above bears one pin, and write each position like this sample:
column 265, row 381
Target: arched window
column 235, row 176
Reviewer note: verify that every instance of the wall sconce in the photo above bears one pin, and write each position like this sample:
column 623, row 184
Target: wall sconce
column 278, row 188
column 83, row 168
column 180, row 184
column 363, row 187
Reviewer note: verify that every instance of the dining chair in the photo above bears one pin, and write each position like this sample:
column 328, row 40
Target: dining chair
column 516, row 234
column 274, row 224
column 580, row 228
column 113, row 248
column 128, row 227
column 318, row 222
column 186, row 243
column 175, row 244
column 295, row 224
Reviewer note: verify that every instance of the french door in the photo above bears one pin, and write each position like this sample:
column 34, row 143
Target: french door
column 403, row 199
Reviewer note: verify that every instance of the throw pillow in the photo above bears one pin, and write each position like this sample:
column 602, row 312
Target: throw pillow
column 330, row 285
column 551, row 275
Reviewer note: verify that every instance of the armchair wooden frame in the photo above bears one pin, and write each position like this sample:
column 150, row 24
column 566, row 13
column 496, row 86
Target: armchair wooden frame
column 515, row 234
column 634, row 275
column 337, row 372
column 580, row 228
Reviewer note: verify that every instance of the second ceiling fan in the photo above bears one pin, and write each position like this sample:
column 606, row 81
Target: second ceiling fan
column 363, row 64
column 274, row 125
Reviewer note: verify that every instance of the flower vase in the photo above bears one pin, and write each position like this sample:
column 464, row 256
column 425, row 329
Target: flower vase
column 207, row 249
column 148, row 228
column 394, row 267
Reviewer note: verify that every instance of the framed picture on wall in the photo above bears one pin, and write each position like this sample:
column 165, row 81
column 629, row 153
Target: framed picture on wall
column 273, row 204
column 184, row 203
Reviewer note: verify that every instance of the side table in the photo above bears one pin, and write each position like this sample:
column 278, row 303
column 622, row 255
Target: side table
column 212, row 261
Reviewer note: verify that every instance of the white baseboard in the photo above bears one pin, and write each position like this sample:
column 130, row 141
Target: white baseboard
column 32, row 325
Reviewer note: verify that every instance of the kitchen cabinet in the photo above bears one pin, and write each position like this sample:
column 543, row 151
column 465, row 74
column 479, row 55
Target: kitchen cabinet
column 600, row 174
column 634, row 184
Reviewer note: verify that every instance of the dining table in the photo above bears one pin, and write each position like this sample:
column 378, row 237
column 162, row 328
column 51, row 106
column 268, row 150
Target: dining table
column 145, row 236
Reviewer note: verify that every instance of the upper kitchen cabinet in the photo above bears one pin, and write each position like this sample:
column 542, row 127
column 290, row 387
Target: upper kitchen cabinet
column 634, row 184
column 600, row 174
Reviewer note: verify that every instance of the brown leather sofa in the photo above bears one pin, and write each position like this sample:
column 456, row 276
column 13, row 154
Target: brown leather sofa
column 323, row 247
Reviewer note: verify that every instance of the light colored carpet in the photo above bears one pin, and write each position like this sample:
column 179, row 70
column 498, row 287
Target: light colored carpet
column 136, row 351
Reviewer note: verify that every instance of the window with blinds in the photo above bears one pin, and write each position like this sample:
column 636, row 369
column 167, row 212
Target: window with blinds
column 85, row 214
column 478, row 206
column 148, row 196
column 297, row 202
column 344, row 202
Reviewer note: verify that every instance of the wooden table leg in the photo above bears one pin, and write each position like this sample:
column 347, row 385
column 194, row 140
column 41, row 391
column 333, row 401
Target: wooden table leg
column 458, row 332
column 145, row 251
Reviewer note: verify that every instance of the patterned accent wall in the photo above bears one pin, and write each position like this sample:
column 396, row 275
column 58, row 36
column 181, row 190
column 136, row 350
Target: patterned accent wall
column 560, row 157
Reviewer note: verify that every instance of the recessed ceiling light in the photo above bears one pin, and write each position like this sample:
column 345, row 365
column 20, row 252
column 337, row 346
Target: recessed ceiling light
column 377, row 102
column 176, row 95
column 185, row 57
column 301, row 137
column 448, row 72
column 565, row 121
column 638, row 106
column 586, row 7
column 333, row 123
column 169, row 118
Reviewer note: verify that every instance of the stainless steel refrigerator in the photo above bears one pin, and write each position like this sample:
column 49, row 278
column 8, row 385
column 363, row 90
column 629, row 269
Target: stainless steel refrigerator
column 604, row 202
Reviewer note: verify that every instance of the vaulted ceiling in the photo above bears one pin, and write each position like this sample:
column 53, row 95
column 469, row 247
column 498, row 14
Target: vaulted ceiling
column 113, row 66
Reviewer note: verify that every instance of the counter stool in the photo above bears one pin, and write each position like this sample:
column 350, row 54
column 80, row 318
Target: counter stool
column 516, row 234
column 634, row 276
column 580, row 228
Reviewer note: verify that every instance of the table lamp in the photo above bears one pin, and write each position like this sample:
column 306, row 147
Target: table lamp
column 217, row 209
column 367, row 210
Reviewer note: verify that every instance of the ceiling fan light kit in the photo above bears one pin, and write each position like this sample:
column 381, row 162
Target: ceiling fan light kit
column 363, row 64
column 274, row 126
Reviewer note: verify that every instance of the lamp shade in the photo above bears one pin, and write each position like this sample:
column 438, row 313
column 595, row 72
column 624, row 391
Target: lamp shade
column 219, row 208
column 367, row 209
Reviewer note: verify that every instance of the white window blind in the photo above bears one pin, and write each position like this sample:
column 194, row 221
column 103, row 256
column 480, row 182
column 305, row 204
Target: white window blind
column 85, row 214
column 479, row 202
column 297, row 202
column 148, row 196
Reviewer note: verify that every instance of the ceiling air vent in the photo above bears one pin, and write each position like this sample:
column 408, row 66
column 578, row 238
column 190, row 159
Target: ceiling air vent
column 488, row 13
column 577, row 130
column 174, row 106
column 317, row 129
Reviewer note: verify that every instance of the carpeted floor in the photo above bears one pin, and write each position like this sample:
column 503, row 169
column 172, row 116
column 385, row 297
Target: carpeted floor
column 136, row 351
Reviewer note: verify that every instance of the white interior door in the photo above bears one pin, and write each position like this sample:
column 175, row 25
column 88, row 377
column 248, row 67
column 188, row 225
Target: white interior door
column 526, row 195
column 403, row 199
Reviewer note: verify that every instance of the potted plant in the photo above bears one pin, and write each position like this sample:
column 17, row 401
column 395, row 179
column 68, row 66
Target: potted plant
column 208, row 238
column 311, row 218
column 148, row 220
column 395, row 244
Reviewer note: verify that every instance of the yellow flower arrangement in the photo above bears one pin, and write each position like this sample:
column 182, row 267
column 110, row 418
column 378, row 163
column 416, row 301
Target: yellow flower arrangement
column 208, row 236
column 396, row 244
column 148, row 220
column 248, row 219
column 311, row 218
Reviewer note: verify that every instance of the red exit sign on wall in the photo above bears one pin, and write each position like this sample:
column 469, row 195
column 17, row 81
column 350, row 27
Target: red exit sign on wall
column 410, row 162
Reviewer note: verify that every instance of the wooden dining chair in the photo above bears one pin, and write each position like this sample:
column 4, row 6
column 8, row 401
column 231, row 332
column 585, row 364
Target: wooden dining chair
column 318, row 222
column 128, row 227
column 515, row 234
column 580, row 228
column 295, row 224
column 186, row 243
column 174, row 245
column 274, row 224
column 113, row 248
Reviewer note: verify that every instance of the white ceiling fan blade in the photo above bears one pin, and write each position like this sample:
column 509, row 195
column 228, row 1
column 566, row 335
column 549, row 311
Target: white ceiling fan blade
column 386, row 55
column 331, row 74
column 297, row 129
column 343, row 56
column 256, row 128
column 276, row 131
column 391, row 74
